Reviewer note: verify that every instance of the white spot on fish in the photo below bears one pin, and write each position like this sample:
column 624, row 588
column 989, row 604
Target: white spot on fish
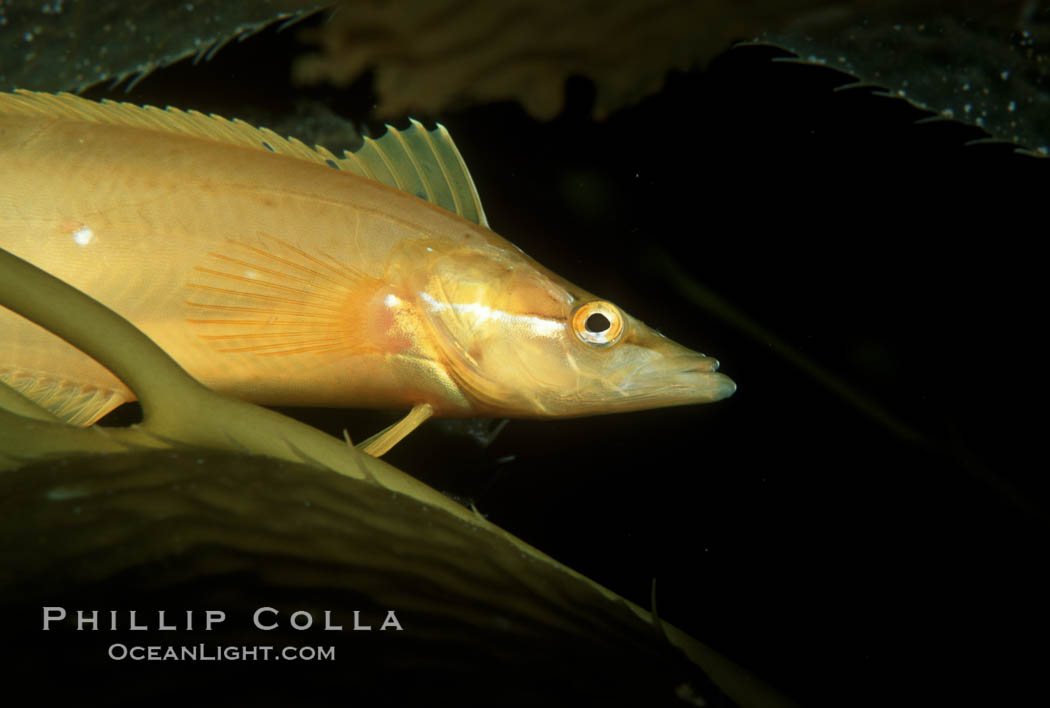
column 83, row 236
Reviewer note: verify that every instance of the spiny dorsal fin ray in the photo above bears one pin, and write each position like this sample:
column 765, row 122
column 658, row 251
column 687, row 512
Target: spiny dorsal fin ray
column 425, row 164
column 420, row 162
column 73, row 402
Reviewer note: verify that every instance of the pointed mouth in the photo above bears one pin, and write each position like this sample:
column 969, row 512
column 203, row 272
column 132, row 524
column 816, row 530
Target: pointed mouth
column 698, row 378
column 718, row 386
column 681, row 381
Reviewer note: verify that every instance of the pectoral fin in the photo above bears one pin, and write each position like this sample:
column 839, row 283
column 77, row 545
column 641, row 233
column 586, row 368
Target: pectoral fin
column 381, row 442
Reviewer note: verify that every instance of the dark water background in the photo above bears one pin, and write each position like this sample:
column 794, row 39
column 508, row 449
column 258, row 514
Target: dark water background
column 843, row 561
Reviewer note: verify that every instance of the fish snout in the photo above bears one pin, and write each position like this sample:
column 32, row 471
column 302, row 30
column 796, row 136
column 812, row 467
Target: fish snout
column 706, row 384
column 722, row 386
column 690, row 378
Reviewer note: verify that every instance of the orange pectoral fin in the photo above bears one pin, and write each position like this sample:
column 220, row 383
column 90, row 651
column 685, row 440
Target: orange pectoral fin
column 271, row 298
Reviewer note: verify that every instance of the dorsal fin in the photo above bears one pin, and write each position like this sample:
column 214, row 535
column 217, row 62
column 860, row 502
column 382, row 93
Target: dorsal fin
column 420, row 162
column 426, row 164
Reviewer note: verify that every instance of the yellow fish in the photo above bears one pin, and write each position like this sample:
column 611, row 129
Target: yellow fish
column 285, row 275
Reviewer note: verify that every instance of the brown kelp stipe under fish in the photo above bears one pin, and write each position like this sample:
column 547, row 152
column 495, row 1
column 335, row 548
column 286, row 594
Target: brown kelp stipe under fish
column 285, row 275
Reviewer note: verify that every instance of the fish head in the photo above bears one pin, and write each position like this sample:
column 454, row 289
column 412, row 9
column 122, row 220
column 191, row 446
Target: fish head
column 520, row 341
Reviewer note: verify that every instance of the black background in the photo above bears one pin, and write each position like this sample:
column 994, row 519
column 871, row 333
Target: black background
column 843, row 561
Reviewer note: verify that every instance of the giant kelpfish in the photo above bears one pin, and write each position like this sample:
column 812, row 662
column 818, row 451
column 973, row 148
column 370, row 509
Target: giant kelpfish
column 285, row 275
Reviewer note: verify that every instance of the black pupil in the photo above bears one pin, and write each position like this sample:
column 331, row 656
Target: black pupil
column 597, row 323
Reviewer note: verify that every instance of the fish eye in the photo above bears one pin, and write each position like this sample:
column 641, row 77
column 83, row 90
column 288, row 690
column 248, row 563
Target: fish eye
column 598, row 322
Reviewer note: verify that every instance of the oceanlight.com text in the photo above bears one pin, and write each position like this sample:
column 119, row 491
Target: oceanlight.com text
column 206, row 652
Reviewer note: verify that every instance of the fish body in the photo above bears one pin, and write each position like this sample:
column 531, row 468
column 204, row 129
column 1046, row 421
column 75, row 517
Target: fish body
column 271, row 276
